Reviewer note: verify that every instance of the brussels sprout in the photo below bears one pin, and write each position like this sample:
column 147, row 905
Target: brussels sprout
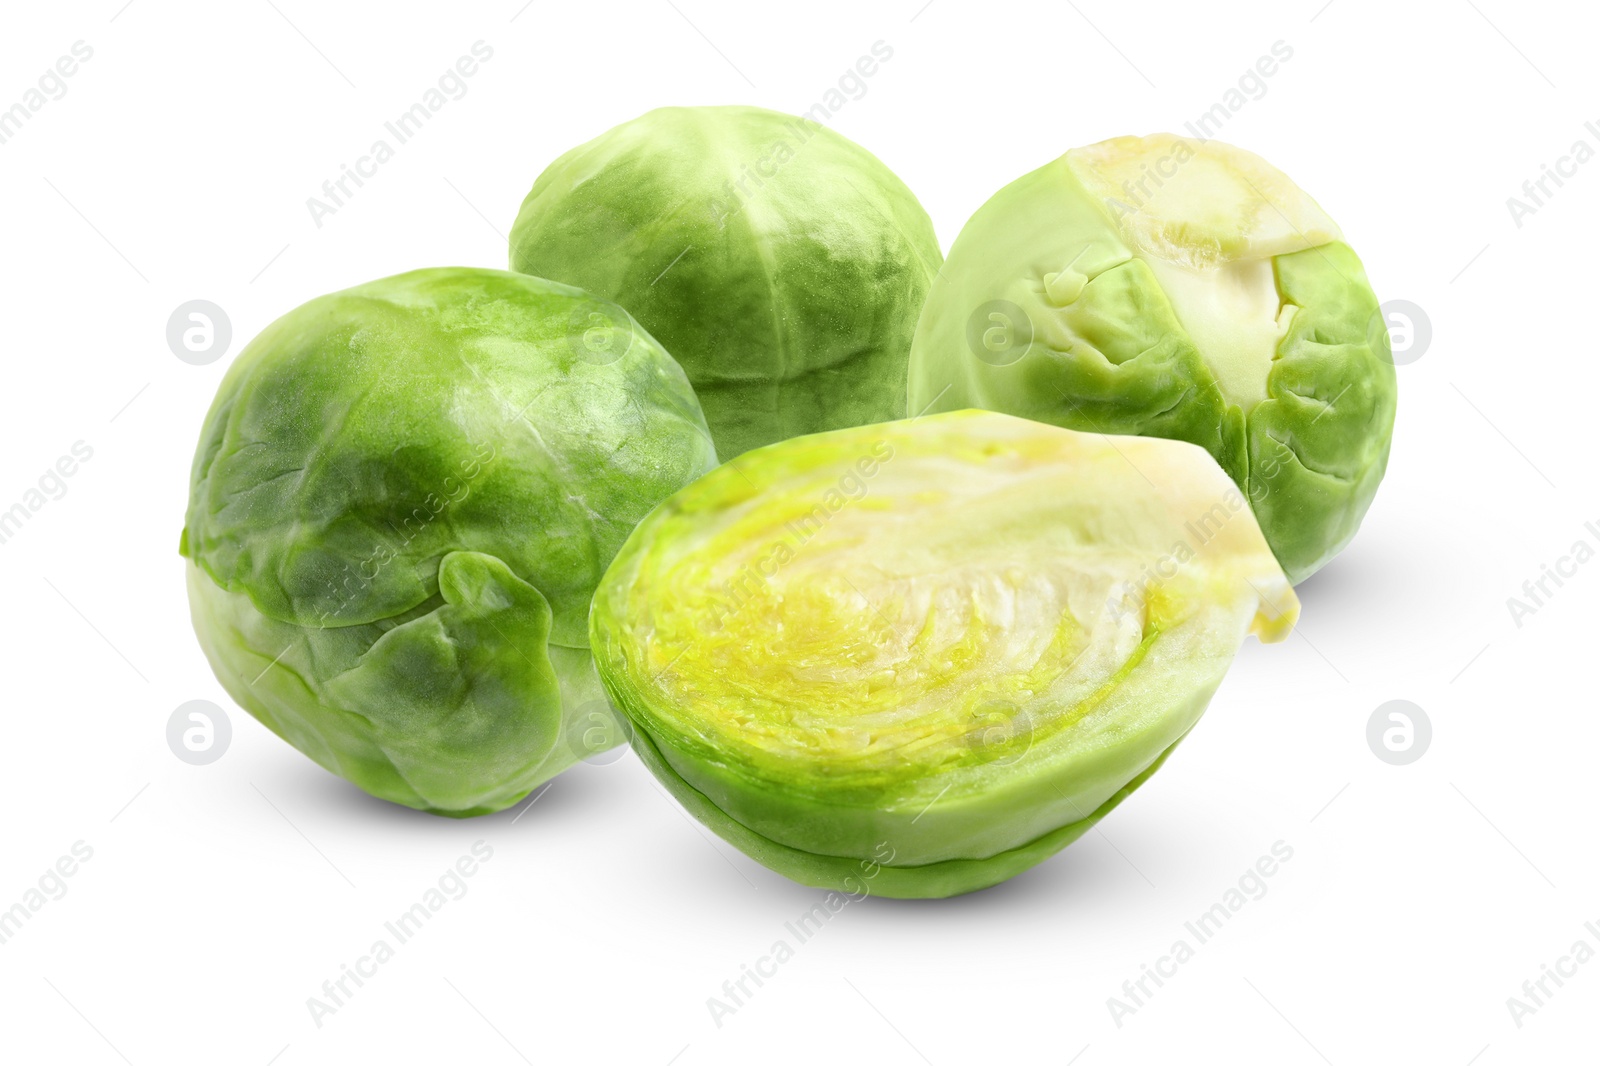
column 781, row 264
column 915, row 659
column 1176, row 288
column 402, row 500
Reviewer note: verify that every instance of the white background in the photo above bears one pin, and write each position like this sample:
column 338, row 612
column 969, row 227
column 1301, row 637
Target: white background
column 219, row 898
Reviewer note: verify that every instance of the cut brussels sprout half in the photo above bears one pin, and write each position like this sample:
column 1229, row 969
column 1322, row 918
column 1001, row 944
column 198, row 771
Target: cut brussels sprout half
column 782, row 264
column 917, row 658
column 1169, row 287
column 403, row 498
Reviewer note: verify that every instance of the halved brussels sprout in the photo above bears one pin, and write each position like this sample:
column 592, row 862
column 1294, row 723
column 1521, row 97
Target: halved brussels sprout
column 1169, row 287
column 403, row 497
column 917, row 658
column 783, row 265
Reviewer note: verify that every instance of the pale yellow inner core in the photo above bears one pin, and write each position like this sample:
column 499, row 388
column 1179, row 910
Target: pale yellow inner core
column 939, row 611
column 1209, row 218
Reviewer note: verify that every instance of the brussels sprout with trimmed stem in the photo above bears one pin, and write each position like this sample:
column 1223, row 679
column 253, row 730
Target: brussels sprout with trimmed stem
column 402, row 500
column 1168, row 287
column 783, row 265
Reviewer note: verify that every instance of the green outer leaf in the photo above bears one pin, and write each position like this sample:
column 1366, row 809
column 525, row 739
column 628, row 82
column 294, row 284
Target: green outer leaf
column 367, row 433
column 783, row 265
column 1319, row 443
column 402, row 499
column 867, row 876
column 458, row 708
column 1112, row 360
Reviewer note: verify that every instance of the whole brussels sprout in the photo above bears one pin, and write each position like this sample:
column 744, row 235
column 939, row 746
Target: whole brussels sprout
column 402, row 500
column 782, row 265
column 1169, row 287
column 915, row 659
